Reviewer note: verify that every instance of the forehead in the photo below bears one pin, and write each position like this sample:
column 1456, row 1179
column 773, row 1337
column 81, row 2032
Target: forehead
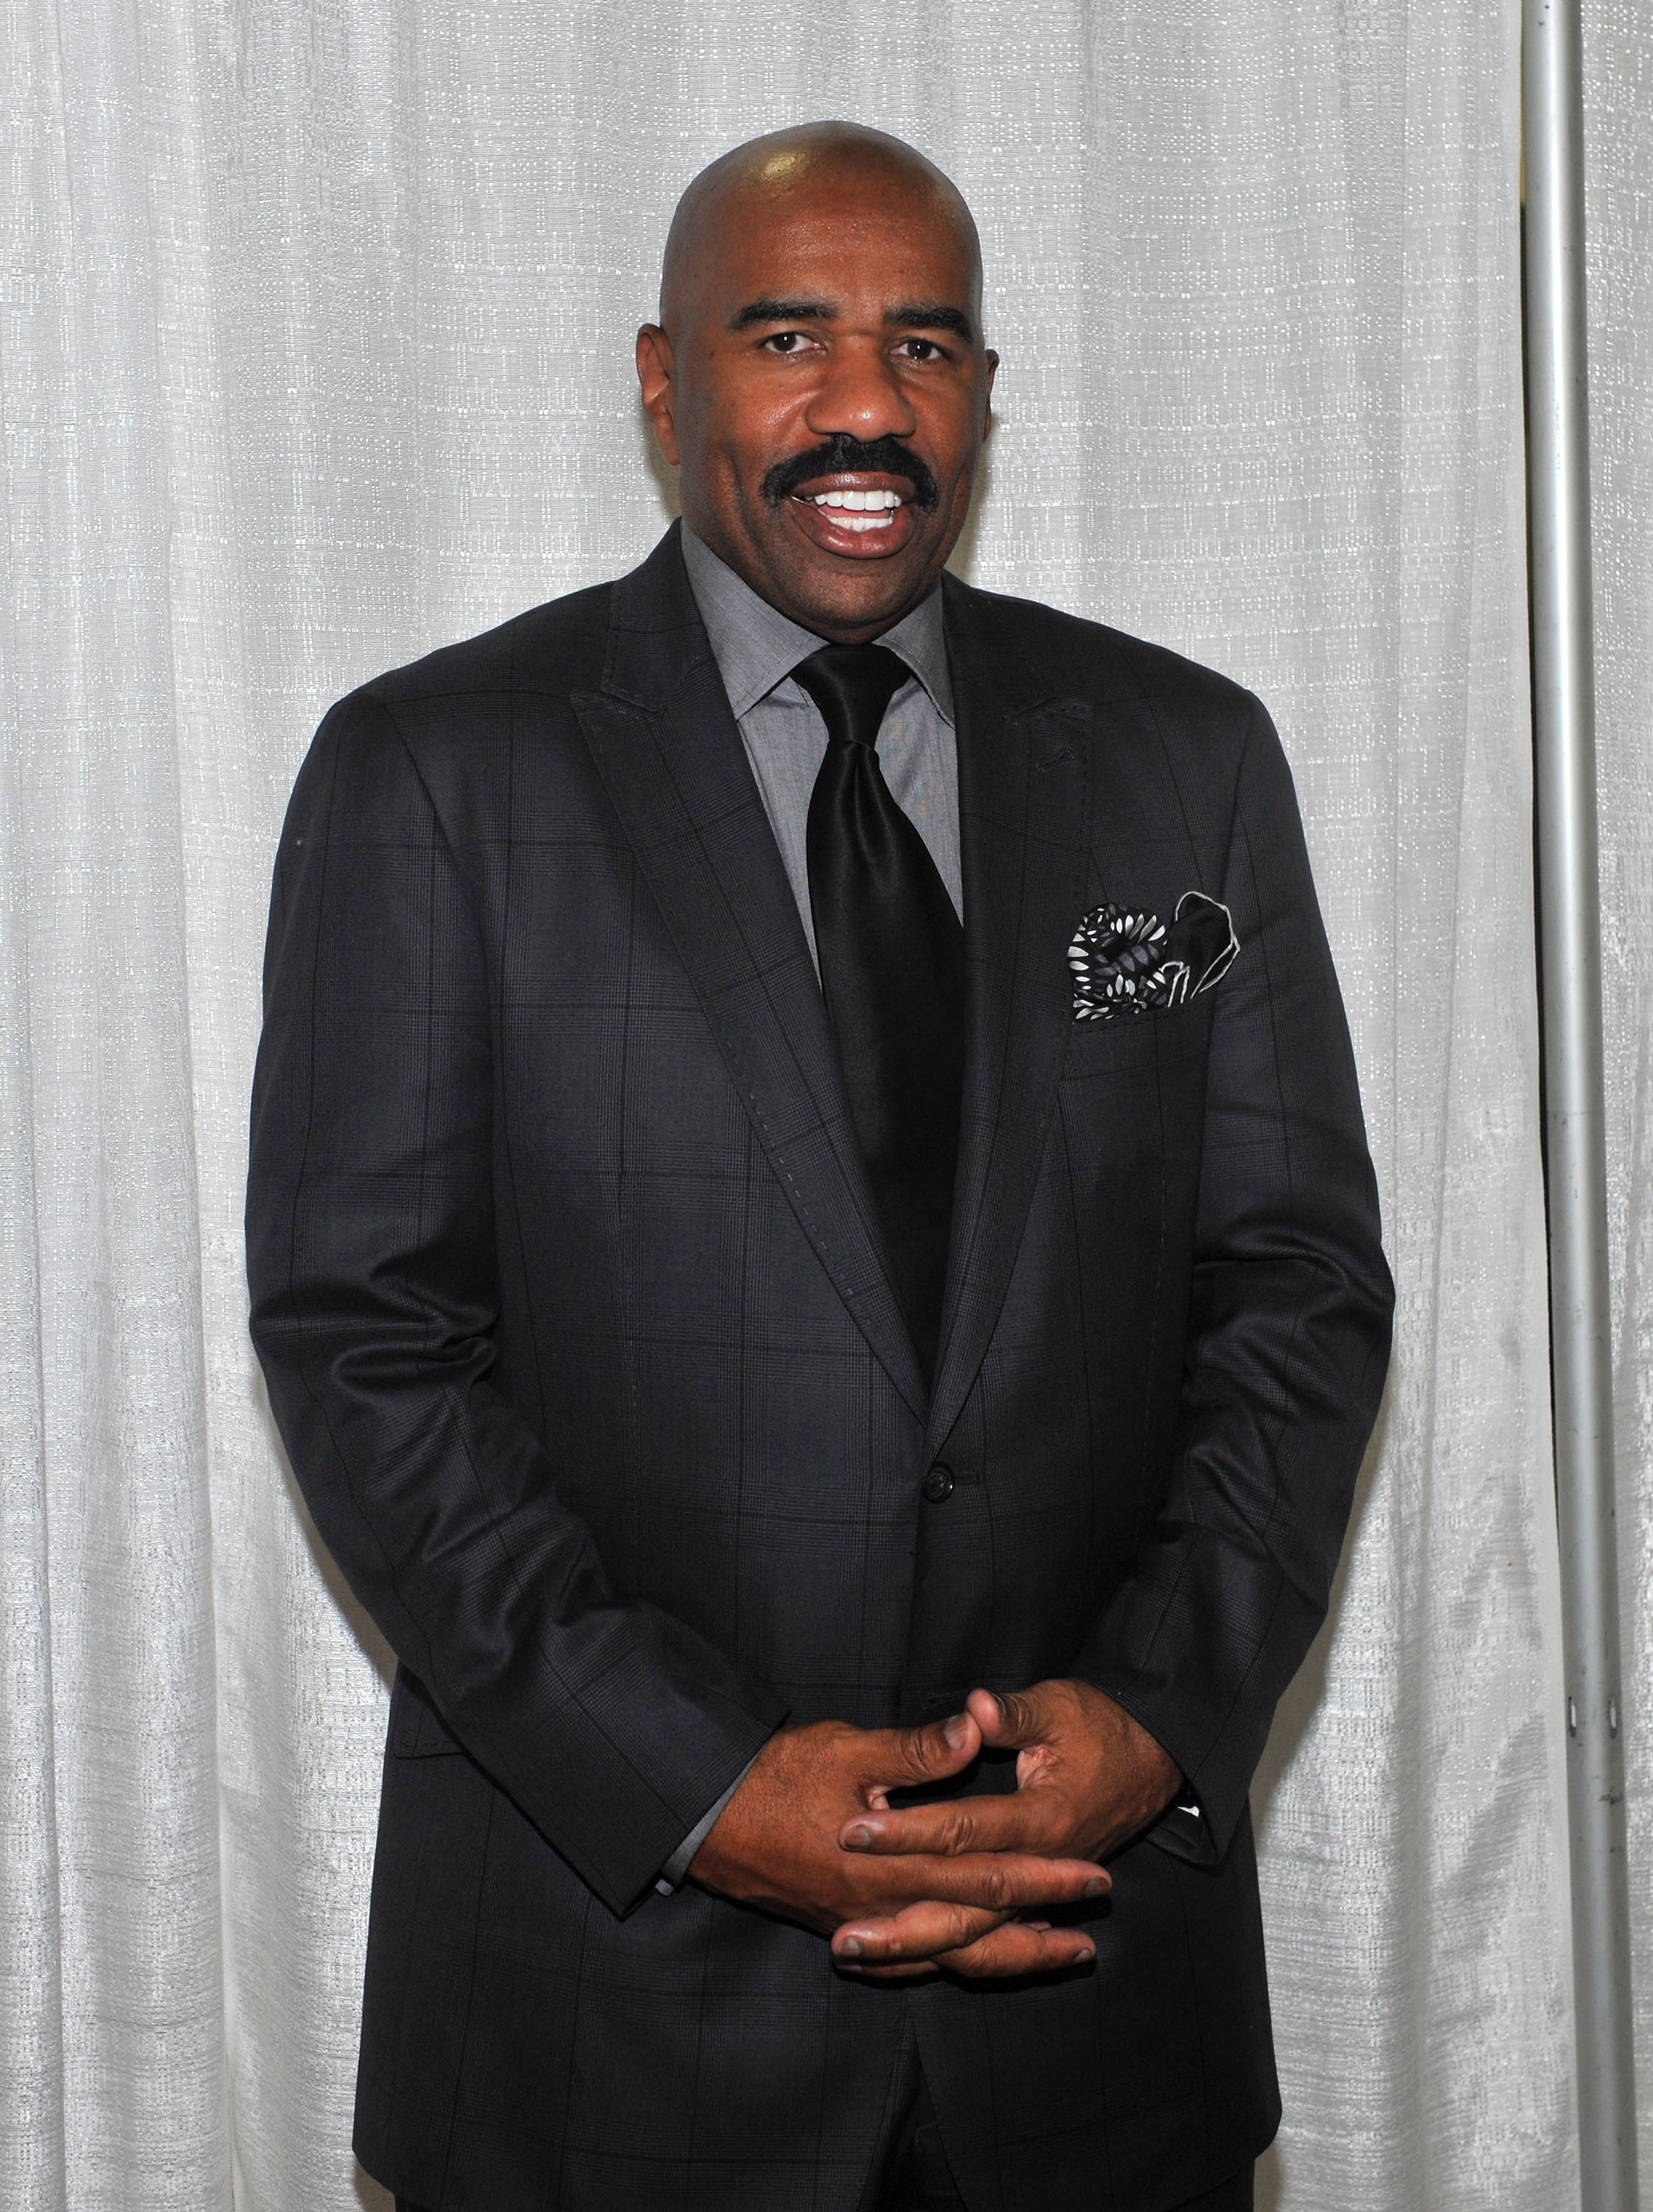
column 843, row 235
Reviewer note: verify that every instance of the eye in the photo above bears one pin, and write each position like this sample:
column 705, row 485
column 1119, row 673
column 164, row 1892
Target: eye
column 921, row 350
column 784, row 342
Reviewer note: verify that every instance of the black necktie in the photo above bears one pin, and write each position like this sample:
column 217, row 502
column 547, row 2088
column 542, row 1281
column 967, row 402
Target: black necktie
column 891, row 955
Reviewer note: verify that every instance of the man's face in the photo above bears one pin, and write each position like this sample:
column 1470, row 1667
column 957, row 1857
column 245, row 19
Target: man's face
column 824, row 391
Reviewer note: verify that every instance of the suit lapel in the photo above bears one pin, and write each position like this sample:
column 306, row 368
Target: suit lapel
column 671, row 756
column 1024, row 820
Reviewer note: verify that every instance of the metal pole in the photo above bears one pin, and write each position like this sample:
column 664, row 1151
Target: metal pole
column 1564, row 741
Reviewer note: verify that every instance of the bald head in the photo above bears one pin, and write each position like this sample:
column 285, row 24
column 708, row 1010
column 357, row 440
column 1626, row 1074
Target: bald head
column 817, row 376
column 756, row 182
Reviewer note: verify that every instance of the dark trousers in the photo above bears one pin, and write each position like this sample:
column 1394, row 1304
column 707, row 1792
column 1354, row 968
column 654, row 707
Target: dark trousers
column 910, row 2171
column 1233, row 2196
column 899, row 2195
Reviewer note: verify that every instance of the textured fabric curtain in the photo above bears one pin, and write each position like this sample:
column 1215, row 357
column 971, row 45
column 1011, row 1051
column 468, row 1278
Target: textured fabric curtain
column 316, row 319
column 1619, row 193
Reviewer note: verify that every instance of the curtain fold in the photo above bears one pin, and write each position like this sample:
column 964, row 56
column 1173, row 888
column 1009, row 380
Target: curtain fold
column 316, row 320
column 113, row 2037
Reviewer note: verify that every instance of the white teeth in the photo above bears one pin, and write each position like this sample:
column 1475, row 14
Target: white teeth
column 859, row 503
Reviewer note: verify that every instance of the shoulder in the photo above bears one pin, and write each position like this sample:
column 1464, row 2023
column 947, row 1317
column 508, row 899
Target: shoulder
column 453, row 710
column 439, row 727
column 1087, row 660
column 557, row 647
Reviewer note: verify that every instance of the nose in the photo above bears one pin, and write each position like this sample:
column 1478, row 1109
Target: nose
column 862, row 395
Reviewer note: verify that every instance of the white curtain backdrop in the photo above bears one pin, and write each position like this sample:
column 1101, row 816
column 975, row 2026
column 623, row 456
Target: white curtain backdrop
column 1619, row 192
column 315, row 320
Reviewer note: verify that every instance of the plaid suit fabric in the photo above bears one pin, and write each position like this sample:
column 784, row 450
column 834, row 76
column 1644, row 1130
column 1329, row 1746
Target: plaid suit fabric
column 575, row 1326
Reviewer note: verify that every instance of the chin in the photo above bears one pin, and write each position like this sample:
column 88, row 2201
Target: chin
column 871, row 593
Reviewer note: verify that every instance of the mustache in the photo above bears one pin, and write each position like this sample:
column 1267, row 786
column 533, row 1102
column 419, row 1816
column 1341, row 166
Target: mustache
column 842, row 455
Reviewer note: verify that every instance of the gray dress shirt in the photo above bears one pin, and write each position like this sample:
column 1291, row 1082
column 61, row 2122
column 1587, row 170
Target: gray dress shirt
column 757, row 648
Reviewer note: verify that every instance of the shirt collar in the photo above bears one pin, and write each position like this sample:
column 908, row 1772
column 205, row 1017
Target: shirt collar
column 756, row 646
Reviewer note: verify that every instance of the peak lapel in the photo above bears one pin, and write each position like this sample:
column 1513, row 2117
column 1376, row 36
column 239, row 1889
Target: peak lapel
column 1023, row 795
column 671, row 756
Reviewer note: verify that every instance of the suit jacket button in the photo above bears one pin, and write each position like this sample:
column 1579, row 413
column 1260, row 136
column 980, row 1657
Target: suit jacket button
column 938, row 1484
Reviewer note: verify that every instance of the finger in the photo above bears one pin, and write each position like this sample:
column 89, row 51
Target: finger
column 1009, row 1722
column 1018, row 1948
column 911, row 1936
column 921, row 1927
column 918, row 1970
column 899, row 1759
column 997, row 1882
column 1028, row 1821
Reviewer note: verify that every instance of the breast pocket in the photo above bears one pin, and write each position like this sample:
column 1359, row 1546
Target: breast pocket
column 1132, row 1113
column 1136, row 1046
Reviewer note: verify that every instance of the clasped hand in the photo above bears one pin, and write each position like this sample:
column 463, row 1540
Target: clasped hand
column 810, row 1835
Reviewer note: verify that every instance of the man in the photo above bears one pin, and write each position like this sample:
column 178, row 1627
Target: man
column 811, row 1240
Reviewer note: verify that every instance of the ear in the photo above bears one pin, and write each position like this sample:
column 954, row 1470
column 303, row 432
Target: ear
column 991, row 359
column 656, row 368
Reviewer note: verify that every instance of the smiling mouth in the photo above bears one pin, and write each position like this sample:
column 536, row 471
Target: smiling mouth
column 856, row 511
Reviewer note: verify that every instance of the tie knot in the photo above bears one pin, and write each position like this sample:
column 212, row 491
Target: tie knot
column 852, row 685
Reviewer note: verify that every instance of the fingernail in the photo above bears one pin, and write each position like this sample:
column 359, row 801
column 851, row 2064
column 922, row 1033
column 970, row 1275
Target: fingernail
column 1087, row 1957
column 851, row 1947
column 1099, row 1887
column 857, row 1838
column 956, row 1729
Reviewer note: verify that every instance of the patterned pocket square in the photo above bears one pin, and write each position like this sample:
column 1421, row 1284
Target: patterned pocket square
column 1132, row 963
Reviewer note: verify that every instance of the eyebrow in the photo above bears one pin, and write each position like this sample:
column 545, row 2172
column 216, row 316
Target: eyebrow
column 915, row 315
column 782, row 311
column 930, row 315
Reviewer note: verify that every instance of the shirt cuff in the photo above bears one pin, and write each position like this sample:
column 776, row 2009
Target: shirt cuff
column 675, row 1872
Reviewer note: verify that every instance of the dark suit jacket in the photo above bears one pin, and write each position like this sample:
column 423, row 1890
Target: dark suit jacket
column 567, row 1289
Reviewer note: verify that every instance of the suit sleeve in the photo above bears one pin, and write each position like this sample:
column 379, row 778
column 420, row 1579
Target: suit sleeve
column 1287, row 1341
column 372, row 1267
